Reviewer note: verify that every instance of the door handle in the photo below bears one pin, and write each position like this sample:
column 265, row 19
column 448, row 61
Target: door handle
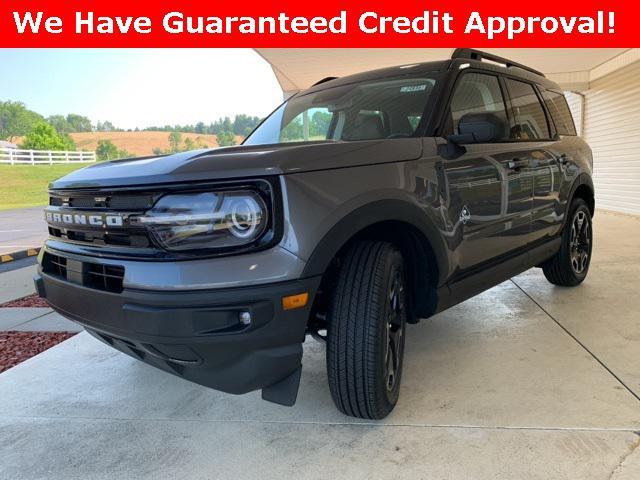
column 517, row 163
column 564, row 159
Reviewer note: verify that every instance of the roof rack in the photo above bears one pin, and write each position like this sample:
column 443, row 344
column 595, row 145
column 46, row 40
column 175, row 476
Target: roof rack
column 325, row 79
column 472, row 54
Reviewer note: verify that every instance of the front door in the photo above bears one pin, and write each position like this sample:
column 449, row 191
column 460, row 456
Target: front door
column 490, row 187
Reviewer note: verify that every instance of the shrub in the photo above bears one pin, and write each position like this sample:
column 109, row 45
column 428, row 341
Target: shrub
column 44, row 137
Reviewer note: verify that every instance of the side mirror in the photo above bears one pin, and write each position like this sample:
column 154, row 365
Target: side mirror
column 478, row 128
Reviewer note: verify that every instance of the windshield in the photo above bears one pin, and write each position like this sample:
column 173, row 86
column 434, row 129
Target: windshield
column 389, row 108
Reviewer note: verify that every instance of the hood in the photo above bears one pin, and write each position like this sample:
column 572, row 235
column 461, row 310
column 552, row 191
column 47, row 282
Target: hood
column 240, row 162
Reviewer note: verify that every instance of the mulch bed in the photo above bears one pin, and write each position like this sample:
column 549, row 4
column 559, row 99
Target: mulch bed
column 32, row 300
column 16, row 347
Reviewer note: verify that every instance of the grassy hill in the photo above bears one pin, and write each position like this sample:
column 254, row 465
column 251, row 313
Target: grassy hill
column 138, row 143
column 26, row 185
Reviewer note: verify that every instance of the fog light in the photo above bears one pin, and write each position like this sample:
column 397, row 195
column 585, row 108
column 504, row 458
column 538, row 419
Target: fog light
column 295, row 301
column 245, row 318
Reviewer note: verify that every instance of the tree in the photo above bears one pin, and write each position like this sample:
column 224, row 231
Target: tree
column 175, row 138
column 244, row 124
column 227, row 126
column 107, row 150
column 294, row 131
column 226, row 138
column 221, row 125
column 320, row 121
column 44, row 137
column 59, row 122
column 78, row 123
column 105, row 126
column 189, row 144
column 70, row 145
column 240, row 125
column 16, row 120
column 199, row 143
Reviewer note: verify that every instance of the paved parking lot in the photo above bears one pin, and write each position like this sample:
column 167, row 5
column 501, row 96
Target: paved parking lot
column 35, row 320
column 21, row 229
column 524, row 381
column 17, row 283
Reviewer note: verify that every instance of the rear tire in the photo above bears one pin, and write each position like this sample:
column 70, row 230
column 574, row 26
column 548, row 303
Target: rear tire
column 366, row 331
column 569, row 267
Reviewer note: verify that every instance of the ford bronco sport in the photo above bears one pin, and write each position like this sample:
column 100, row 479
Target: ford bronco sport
column 359, row 205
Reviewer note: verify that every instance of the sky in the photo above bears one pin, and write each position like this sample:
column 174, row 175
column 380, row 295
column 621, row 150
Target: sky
column 140, row 87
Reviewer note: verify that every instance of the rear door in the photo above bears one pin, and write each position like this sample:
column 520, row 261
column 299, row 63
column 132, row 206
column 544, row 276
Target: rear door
column 535, row 133
column 563, row 150
column 490, row 187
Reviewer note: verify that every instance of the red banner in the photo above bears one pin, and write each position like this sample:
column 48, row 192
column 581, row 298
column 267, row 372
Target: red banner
column 172, row 23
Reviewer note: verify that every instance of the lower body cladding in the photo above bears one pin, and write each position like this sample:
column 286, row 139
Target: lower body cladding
column 235, row 340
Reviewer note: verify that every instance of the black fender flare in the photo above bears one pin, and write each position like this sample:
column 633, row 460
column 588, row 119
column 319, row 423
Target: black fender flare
column 582, row 179
column 371, row 214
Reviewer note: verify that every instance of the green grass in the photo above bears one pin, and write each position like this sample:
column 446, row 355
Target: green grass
column 26, row 185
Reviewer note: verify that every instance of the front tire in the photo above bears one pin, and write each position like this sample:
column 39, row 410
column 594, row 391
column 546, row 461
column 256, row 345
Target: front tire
column 569, row 267
column 366, row 331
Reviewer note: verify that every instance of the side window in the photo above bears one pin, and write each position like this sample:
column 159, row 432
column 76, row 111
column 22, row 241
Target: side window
column 310, row 125
column 476, row 93
column 531, row 122
column 560, row 113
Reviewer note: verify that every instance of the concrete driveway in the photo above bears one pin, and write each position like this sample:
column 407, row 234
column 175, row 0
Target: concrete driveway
column 21, row 229
column 526, row 381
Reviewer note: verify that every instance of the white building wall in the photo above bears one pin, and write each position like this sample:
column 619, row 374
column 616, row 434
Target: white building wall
column 575, row 104
column 612, row 129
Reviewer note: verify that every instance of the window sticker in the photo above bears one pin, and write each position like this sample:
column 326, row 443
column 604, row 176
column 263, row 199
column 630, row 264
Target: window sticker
column 413, row 88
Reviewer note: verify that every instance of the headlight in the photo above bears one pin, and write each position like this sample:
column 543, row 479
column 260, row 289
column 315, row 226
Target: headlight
column 208, row 220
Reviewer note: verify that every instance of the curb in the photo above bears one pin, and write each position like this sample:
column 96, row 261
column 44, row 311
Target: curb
column 10, row 257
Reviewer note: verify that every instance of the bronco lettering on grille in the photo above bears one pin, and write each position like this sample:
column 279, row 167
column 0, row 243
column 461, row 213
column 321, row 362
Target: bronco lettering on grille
column 96, row 220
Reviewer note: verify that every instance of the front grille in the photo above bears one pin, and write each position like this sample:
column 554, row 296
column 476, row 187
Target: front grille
column 105, row 277
column 54, row 265
column 98, row 237
column 103, row 201
column 108, row 278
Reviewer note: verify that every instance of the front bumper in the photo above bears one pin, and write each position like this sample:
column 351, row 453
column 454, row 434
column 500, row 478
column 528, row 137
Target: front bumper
column 198, row 335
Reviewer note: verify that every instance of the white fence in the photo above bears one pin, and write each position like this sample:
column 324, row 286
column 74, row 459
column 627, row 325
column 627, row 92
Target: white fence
column 15, row 156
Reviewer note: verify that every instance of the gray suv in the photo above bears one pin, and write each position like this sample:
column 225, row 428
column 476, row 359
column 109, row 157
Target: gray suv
column 358, row 206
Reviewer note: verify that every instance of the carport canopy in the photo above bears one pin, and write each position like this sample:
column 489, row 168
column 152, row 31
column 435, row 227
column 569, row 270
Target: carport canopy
column 572, row 68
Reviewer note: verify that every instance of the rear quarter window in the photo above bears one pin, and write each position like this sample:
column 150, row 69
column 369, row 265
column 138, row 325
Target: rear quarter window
column 560, row 113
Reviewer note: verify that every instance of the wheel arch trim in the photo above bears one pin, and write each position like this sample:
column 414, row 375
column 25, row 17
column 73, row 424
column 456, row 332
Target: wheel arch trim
column 582, row 179
column 368, row 215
